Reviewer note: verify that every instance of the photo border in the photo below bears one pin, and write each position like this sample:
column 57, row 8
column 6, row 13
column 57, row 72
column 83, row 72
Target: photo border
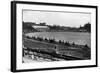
column 13, row 34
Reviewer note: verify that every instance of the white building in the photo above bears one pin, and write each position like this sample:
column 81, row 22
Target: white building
column 41, row 28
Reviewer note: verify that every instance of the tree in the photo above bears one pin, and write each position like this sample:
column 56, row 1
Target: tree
column 87, row 26
column 73, row 43
column 60, row 41
column 28, row 27
column 67, row 43
column 43, row 24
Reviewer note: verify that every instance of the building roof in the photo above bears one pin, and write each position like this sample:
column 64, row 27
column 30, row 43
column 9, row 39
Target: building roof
column 39, row 26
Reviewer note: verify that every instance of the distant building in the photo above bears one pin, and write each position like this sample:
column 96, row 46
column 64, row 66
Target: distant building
column 41, row 28
column 82, row 30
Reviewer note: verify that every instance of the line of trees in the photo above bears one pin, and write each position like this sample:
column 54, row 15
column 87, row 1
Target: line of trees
column 28, row 26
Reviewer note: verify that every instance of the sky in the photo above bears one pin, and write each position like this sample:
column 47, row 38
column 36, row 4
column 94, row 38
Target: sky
column 69, row 19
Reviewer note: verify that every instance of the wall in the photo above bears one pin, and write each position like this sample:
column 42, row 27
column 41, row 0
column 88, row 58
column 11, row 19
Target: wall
column 5, row 36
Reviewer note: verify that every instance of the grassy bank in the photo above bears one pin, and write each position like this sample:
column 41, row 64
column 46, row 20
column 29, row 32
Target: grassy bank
column 79, row 52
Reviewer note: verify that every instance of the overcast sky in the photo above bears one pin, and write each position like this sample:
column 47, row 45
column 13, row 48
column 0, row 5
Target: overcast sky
column 58, row 18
